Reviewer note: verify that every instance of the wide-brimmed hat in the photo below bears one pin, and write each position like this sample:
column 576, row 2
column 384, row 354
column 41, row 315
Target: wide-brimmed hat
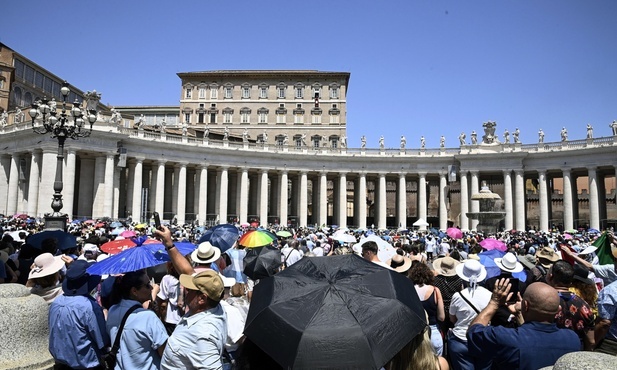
column 399, row 263
column 446, row 266
column 547, row 256
column 208, row 282
column 78, row 281
column 205, row 253
column 470, row 269
column 528, row 260
column 582, row 274
column 44, row 265
column 509, row 263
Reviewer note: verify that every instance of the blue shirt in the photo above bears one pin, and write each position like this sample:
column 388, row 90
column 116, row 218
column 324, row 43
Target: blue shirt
column 77, row 331
column 607, row 308
column 533, row 345
column 143, row 333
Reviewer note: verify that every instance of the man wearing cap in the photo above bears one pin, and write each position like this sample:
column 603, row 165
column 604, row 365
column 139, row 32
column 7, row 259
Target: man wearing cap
column 77, row 334
column 200, row 336
column 537, row 343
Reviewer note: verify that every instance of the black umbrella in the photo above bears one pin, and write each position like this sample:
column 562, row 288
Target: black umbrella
column 262, row 262
column 334, row 312
column 65, row 240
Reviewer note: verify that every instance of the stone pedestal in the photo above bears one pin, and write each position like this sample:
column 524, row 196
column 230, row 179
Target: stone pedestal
column 23, row 319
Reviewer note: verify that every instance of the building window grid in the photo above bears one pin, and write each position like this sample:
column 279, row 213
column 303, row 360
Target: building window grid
column 214, row 93
column 334, row 92
column 246, row 92
column 202, row 93
column 263, row 92
column 187, row 117
column 281, row 92
column 299, row 92
column 188, row 93
column 228, row 91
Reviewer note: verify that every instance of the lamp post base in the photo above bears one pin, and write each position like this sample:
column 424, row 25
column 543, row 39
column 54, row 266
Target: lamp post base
column 55, row 221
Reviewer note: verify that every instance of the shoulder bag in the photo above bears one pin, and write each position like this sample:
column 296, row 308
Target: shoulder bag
column 109, row 359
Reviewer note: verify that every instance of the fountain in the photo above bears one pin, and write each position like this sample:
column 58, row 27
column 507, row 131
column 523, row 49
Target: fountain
column 490, row 213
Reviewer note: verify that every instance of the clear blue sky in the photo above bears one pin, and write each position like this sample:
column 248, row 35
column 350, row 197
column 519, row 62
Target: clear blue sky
column 423, row 67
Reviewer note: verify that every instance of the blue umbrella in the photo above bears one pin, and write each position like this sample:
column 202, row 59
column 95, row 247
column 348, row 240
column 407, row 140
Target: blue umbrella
column 139, row 257
column 65, row 240
column 118, row 231
column 116, row 224
column 487, row 259
column 222, row 236
column 593, row 231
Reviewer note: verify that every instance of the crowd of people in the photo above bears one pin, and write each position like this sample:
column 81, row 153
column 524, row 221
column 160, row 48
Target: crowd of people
column 541, row 296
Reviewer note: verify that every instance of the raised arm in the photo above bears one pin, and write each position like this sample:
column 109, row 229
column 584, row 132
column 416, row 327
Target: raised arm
column 181, row 264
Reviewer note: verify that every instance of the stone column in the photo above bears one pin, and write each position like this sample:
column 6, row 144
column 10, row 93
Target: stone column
column 108, row 194
column 422, row 206
column 263, row 197
column 323, row 198
column 159, row 203
column 303, row 211
column 129, row 188
column 11, row 204
column 543, row 200
column 202, row 193
column 342, row 200
column 284, row 194
column 181, row 195
column 464, row 220
column 361, row 201
column 244, row 195
column 507, row 189
column 381, row 202
column 568, row 211
column 116, row 184
column 68, row 193
column 136, row 190
column 33, row 184
column 401, row 201
column 475, row 205
column 594, row 210
column 5, row 161
column 175, row 191
column 222, row 194
column 98, row 206
column 519, row 199
column 443, row 206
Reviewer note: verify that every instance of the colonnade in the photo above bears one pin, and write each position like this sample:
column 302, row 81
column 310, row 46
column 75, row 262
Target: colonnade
column 95, row 186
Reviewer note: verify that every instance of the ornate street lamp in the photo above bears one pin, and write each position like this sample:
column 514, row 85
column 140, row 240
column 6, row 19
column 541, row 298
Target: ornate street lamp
column 69, row 123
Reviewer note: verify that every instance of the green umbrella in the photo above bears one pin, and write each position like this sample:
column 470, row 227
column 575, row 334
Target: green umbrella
column 283, row 233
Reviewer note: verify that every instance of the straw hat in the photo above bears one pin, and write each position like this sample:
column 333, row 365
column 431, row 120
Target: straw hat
column 399, row 263
column 44, row 265
column 547, row 256
column 446, row 266
column 509, row 263
column 205, row 253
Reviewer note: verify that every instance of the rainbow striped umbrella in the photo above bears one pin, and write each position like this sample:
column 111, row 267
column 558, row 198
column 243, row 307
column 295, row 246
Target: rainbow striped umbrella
column 257, row 238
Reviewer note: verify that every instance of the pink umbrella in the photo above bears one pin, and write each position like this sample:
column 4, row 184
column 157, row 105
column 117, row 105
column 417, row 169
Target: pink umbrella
column 128, row 234
column 454, row 233
column 490, row 244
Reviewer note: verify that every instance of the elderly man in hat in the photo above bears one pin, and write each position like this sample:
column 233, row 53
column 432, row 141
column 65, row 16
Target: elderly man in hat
column 199, row 338
column 545, row 257
column 537, row 343
column 77, row 335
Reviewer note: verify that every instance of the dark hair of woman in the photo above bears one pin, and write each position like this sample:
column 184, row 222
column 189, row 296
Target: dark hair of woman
column 421, row 274
column 123, row 285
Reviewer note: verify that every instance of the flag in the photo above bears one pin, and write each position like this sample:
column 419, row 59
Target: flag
column 603, row 243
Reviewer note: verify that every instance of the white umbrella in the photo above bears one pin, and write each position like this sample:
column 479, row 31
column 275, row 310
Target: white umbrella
column 420, row 222
column 386, row 250
column 345, row 238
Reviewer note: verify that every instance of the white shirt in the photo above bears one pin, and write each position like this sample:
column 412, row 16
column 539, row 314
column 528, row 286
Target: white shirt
column 430, row 245
column 318, row 251
column 170, row 290
column 464, row 312
column 292, row 256
column 235, row 326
